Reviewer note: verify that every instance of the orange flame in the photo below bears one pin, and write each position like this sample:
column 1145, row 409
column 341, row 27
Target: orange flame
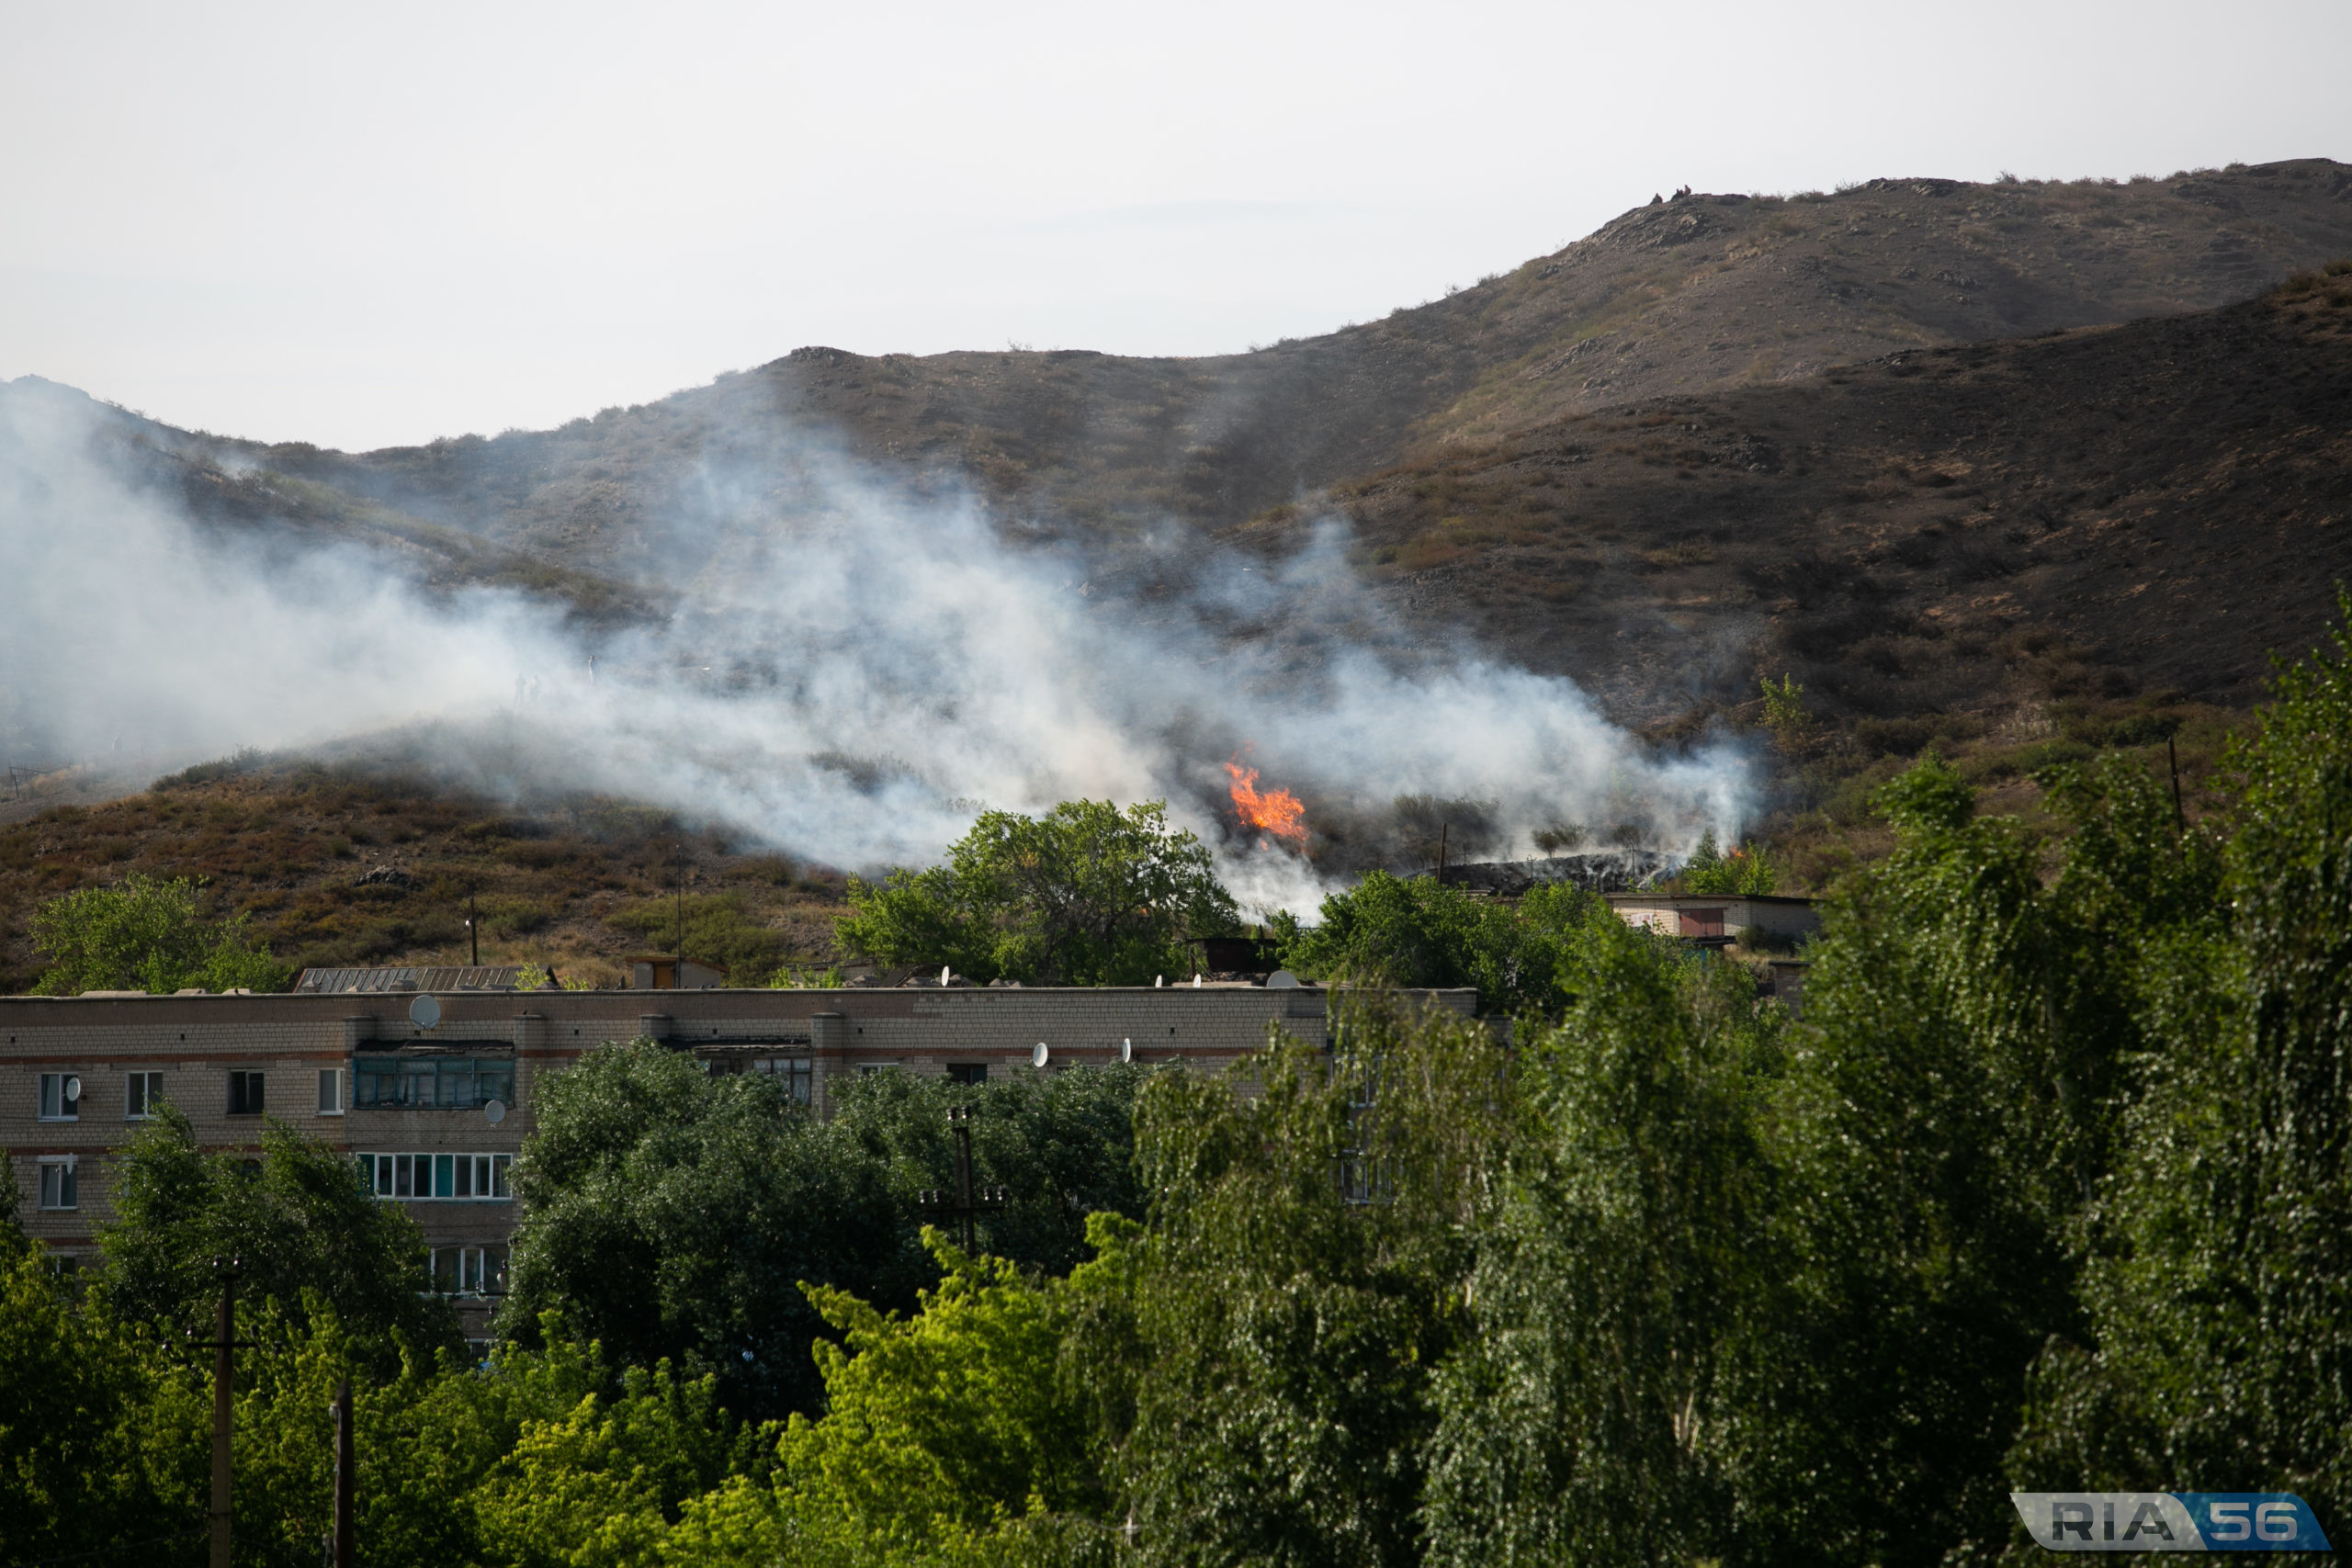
column 1276, row 811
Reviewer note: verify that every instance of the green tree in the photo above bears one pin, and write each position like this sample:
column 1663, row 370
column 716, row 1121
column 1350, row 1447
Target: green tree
column 1302, row 1275
column 1416, row 931
column 2218, row 1349
column 1087, row 895
column 1620, row 1236
column 1746, row 870
column 301, row 1218
column 670, row 1214
column 96, row 1436
column 145, row 934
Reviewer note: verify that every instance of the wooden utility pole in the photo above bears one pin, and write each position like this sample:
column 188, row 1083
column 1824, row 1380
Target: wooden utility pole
column 1442, row 828
column 346, row 1477
column 2180, row 817
column 965, row 1202
column 223, row 1345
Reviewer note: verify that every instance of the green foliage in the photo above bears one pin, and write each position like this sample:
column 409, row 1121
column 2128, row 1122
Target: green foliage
column 1390, row 931
column 720, row 928
column 1087, row 895
column 2218, row 1348
column 950, row 1422
column 673, row 1214
column 1615, row 1247
column 1743, row 870
column 95, row 1433
column 145, row 934
column 793, row 978
column 302, row 1220
column 1785, row 714
column 1301, row 1280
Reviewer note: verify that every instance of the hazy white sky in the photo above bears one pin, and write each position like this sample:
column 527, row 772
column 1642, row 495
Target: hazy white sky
column 361, row 226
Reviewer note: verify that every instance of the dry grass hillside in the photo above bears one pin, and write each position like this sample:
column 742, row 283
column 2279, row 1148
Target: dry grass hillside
column 352, row 865
column 1694, row 294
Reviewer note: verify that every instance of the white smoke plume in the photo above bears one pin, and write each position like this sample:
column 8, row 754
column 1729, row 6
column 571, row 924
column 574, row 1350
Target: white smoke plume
column 853, row 671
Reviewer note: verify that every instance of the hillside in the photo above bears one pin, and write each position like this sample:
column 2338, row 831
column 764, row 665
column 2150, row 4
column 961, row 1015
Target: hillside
column 2091, row 513
column 1695, row 294
column 358, row 865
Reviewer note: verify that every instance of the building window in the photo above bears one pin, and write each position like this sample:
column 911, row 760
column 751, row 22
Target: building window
column 436, row 1083
column 245, row 1094
column 60, row 1097
column 968, row 1072
column 61, row 1186
column 470, row 1270
column 330, row 1091
column 141, row 1093
column 414, row 1175
column 792, row 1070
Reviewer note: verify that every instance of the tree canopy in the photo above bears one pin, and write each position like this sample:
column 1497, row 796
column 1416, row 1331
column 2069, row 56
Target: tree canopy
column 145, row 934
column 1087, row 895
column 1417, row 931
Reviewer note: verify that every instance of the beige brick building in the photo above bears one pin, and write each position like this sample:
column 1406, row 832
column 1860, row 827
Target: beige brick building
column 438, row 1113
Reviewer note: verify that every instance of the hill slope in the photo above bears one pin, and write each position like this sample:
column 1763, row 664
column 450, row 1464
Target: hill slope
column 2094, row 513
column 1702, row 292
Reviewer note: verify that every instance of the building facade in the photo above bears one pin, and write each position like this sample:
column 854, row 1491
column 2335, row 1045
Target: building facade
column 434, row 1102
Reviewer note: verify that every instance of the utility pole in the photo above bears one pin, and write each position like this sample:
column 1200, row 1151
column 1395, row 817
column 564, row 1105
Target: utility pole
column 682, row 912
column 473, row 931
column 965, row 1202
column 346, row 1477
column 2180, row 817
column 224, row 1342
column 1441, row 830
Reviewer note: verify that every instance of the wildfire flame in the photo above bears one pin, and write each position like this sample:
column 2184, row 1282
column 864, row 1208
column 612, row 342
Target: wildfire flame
column 1275, row 811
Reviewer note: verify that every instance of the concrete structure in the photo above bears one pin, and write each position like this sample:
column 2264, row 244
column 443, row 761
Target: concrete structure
column 1725, row 917
column 438, row 1114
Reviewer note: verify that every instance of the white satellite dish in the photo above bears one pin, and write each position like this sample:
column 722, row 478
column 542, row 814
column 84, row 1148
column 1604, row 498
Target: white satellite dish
column 1037, row 1057
column 425, row 1013
column 946, row 973
column 1126, row 1051
column 1281, row 980
column 494, row 1112
column 73, row 1089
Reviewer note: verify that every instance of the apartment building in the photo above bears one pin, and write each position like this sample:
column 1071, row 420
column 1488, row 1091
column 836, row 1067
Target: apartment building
column 434, row 1090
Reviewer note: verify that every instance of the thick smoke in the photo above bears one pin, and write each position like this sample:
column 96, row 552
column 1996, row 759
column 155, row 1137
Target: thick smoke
column 854, row 669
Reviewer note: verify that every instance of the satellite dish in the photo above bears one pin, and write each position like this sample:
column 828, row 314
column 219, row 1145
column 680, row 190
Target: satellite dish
column 1037, row 1057
column 1126, row 1051
column 425, row 1013
column 1281, row 980
column 946, row 973
column 73, row 1086
column 495, row 1112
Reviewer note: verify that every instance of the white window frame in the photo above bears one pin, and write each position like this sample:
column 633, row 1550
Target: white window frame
column 53, row 1092
column 331, row 1090
column 384, row 1171
column 150, row 1081
column 65, row 1185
